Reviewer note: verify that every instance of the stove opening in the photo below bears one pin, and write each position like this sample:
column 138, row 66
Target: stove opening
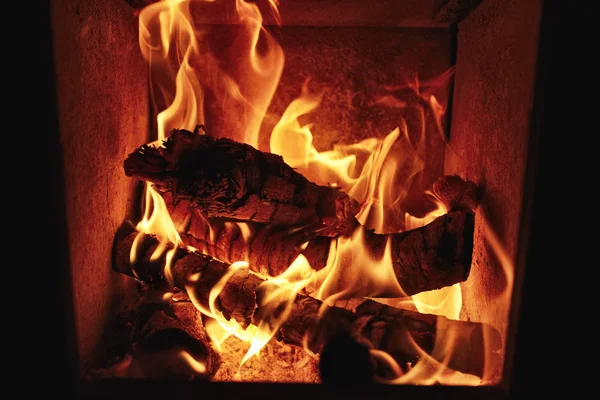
column 295, row 191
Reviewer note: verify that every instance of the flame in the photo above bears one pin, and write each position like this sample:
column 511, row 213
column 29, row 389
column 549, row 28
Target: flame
column 445, row 301
column 198, row 366
column 157, row 221
column 380, row 183
column 184, row 71
column 228, row 91
column 276, row 300
column 168, row 41
column 278, row 295
column 377, row 173
column 351, row 271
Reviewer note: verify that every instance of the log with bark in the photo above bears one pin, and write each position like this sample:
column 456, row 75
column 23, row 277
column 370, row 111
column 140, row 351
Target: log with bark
column 395, row 331
column 228, row 179
column 431, row 257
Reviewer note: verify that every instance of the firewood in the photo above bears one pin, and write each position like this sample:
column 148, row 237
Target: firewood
column 164, row 340
column 427, row 258
column 228, row 179
column 385, row 328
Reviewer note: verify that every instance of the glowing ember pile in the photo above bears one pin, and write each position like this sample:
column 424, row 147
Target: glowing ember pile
column 257, row 264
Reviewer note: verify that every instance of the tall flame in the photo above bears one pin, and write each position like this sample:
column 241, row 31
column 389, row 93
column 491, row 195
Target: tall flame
column 225, row 66
column 183, row 42
column 276, row 299
column 157, row 221
column 278, row 296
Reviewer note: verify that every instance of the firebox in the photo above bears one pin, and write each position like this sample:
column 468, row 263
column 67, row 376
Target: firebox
column 296, row 197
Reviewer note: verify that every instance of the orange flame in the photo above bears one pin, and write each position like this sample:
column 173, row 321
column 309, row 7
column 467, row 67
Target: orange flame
column 277, row 298
column 182, row 42
column 184, row 71
column 157, row 221
column 352, row 272
column 167, row 40
column 213, row 62
column 379, row 184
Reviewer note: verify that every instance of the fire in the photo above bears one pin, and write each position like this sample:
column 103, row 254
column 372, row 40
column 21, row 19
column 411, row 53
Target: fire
column 347, row 275
column 157, row 221
column 185, row 72
column 213, row 62
column 277, row 296
column 380, row 183
column 187, row 67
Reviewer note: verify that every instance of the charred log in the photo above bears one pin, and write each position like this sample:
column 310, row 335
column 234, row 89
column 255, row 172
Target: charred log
column 431, row 257
column 397, row 332
column 228, row 179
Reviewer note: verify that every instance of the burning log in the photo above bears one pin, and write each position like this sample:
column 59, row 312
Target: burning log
column 233, row 180
column 427, row 258
column 268, row 250
column 200, row 177
column 403, row 334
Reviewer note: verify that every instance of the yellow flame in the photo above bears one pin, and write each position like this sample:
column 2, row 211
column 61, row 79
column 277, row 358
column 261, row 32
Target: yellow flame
column 157, row 221
column 278, row 295
column 380, row 183
column 174, row 38
column 446, row 301
column 291, row 140
column 216, row 332
column 198, row 366
column 183, row 42
column 352, row 271
column 168, row 41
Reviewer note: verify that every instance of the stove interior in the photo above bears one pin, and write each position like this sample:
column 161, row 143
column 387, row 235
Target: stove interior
column 379, row 99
